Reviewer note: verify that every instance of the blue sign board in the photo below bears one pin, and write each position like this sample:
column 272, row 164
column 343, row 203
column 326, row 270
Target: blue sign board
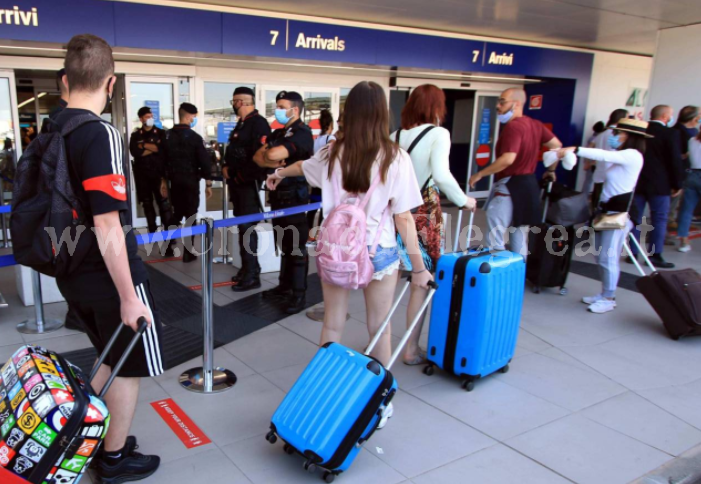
column 224, row 131
column 485, row 127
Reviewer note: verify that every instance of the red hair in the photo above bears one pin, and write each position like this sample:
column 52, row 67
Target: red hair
column 426, row 105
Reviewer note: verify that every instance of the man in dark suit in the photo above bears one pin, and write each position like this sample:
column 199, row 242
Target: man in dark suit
column 660, row 180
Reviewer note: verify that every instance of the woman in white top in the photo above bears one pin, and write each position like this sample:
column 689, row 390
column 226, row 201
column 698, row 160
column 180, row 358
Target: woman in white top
column 622, row 168
column 692, row 193
column 326, row 136
column 428, row 144
column 363, row 151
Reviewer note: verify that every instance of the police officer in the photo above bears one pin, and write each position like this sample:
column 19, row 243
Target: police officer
column 244, row 177
column 187, row 162
column 285, row 146
column 149, row 169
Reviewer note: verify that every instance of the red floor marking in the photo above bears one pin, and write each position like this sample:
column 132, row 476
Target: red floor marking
column 198, row 287
column 7, row 477
column 181, row 425
column 156, row 261
column 693, row 234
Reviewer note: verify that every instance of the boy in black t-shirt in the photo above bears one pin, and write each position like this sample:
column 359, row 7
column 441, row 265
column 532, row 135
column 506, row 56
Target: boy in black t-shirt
column 111, row 285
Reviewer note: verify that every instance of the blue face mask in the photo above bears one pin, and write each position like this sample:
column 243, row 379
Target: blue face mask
column 281, row 116
column 670, row 123
column 614, row 141
column 193, row 123
column 506, row 117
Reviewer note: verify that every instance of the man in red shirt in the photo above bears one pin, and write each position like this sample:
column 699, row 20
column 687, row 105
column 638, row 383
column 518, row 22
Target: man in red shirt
column 514, row 202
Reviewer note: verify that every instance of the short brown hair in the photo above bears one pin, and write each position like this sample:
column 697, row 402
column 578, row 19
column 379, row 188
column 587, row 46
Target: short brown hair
column 426, row 105
column 88, row 63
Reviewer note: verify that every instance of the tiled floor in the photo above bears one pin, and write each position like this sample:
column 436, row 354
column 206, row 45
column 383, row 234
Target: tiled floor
column 589, row 398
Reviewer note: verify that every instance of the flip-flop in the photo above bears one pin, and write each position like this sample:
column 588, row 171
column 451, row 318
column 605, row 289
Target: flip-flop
column 420, row 359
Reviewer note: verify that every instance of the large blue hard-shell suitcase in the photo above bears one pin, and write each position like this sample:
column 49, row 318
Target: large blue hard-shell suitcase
column 337, row 402
column 476, row 313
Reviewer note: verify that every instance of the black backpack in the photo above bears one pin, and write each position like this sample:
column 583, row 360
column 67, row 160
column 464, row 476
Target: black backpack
column 48, row 217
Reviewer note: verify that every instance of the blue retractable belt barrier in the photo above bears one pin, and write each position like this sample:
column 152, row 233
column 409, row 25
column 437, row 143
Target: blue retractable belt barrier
column 9, row 260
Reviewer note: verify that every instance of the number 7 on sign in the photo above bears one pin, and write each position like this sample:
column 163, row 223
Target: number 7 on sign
column 275, row 34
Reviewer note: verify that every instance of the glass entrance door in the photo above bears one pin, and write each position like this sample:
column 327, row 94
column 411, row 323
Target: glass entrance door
column 485, row 129
column 159, row 95
column 11, row 145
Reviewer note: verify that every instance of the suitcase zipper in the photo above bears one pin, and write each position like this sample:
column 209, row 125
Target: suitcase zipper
column 356, row 432
column 65, row 436
column 455, row 312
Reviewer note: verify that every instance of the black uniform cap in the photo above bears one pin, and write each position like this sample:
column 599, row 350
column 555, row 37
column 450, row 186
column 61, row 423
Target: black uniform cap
column 244, row 90
column 289, row 96
column 188, row 108
column 144, row 111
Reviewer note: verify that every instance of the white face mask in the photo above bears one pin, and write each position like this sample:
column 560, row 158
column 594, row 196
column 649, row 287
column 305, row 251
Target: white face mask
column 150, row 122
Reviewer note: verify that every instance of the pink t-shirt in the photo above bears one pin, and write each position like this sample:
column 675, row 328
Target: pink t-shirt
column 400, row 190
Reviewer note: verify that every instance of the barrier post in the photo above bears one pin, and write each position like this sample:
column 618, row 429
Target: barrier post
column 39, row 325
column 224, row 258
column 207, row 379
column 5, row 241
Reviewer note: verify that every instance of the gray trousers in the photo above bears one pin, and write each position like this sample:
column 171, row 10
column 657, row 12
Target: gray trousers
column 500, row 211
column 610, row 244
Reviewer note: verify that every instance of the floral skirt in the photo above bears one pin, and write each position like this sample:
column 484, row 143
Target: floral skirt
column 429, row 226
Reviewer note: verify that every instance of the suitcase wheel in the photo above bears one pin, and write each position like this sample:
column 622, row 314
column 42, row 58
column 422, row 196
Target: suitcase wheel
column 428, row 370
column 468, row 385
column 271, row 437
column 505, row 369
column 675, row 337
column 309, row 466
column 536, row 289
column 289, row 450
column 329, row 477
column 563, row 291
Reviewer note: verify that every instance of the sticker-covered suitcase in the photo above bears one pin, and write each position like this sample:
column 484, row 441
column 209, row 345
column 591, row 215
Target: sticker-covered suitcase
column 51, row 421
column 476, row 313
column 337, row 402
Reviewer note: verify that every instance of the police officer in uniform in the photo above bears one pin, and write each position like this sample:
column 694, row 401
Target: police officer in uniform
column 285, row 146
column 244, row 177
column 187, row 162
column 149, row 169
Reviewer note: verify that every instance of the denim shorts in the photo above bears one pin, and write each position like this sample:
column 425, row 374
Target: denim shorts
column 384, row 258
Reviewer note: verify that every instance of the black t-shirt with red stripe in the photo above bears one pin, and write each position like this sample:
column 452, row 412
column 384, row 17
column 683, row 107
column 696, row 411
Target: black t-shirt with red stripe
column 96, row 157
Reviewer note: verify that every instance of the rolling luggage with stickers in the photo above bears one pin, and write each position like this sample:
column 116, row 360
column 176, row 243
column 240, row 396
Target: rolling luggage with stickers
column 674, row 295
column 337, row 402
column 476, row 313
column 51, row 421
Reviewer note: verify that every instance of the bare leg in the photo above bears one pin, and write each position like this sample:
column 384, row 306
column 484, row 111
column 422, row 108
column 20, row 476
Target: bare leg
column 418, row 296
column 379, row 296
column 121, row 402
column 335, row 310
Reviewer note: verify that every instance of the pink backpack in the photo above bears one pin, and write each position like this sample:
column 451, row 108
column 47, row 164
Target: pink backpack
column 343, row 258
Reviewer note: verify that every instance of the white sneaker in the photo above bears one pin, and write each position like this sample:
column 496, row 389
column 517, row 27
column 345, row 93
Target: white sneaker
column 685, row 248
column 386, row 415
column 589, row 300
column 602, row 306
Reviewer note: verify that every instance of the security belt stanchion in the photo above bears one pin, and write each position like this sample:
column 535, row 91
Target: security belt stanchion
column 207, row 379
column 3, row 218
column 224, row 258
column 40, row 325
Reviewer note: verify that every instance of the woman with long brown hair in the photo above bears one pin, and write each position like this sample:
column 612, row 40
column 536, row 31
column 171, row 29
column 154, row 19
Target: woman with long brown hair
column 363, row 153
column 428, row 145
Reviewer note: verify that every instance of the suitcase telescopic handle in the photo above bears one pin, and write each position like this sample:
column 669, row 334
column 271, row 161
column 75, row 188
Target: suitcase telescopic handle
column 456, row 242
column 432, row 286
column 143, row 325
column 547, row 201
column 635, row 260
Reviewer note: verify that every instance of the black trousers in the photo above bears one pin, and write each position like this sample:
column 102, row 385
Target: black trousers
column 185, row 196
column 291, row 236
column 246, row 202
column 148, row 190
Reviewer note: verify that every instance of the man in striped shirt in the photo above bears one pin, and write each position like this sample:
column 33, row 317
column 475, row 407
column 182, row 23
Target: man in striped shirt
column 110, row 287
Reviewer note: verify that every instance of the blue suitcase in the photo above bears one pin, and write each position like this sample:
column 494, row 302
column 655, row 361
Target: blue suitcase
column 336, row 404
column 476, row 313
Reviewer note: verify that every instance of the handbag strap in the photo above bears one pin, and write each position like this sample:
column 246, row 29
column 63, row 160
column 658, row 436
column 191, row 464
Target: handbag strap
column 418, row 138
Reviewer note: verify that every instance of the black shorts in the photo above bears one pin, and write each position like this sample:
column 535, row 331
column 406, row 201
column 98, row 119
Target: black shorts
column 101, row 318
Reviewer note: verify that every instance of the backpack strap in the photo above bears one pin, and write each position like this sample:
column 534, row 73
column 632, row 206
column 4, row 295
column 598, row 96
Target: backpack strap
column 378, row 234
column 78, row 121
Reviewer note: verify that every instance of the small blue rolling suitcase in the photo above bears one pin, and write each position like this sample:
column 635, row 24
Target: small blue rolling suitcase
column 337, row 402
column 476, row 313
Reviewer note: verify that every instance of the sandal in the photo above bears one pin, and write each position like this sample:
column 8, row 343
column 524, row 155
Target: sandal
column 420, row 359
